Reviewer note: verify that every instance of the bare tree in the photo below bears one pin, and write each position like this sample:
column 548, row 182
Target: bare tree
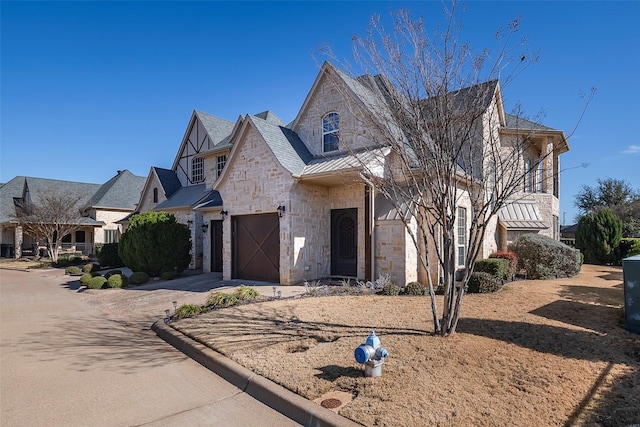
column 50, row 218
column 431, row 108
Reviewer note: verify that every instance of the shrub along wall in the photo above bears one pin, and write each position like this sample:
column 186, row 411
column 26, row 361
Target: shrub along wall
column 545, row 258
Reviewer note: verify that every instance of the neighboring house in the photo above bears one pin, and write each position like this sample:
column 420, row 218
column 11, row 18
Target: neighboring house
column 568, row 231
column 284, row 203
column 100, row 207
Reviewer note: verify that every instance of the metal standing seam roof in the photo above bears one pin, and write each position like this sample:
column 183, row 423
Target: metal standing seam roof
column 522, row 215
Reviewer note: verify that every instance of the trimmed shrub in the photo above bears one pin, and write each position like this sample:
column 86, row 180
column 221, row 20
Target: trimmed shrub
column 97, row 282
column 73, row 269
column 155, row 242
column 117, row 281
column 91, row 267
column 86, row 277
column 108, row 255
column 111, row 273
column 498, row 267
column 415, row 288
column 598, row 236
column 482, row 283
column 188, row 310
column 545, row 258
column 391, row 290
column 509, row 256
column 221, row 300
column 168, row 275
column 138, row 278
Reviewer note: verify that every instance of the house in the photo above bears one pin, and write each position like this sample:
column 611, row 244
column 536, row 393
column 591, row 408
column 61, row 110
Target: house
column 283, row 203
column 100, row 207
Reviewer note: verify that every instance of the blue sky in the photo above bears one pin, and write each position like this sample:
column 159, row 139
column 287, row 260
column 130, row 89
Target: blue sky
column 88, row 88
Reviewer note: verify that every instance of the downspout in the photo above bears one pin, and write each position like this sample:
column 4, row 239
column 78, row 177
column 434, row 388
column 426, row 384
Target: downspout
column 373, row 232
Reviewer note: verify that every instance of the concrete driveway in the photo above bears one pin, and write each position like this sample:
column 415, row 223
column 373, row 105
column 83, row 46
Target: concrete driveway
column 66, row 361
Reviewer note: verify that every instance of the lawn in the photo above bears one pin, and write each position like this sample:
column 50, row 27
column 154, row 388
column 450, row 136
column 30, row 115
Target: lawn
column 536, row 353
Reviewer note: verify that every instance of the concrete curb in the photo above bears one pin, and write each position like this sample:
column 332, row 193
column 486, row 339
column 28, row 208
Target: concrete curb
column 266, row 391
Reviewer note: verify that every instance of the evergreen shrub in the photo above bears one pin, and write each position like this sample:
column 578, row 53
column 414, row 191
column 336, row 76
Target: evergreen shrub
column 545, row 258
column 482, row 283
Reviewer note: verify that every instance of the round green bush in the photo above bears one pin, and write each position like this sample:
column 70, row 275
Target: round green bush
column 86, row 277
column 111, row 273
column 391, row 290
column 168, row 275
column 138, row 278
column 482, row 283
column 91, row 267
column 97, row 282
column 72, row 269
column 545, row 258
column 108, row 255
column 415, row 288
column 117, row 281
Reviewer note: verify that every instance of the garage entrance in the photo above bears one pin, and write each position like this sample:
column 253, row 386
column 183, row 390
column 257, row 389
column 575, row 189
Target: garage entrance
column 256, row 247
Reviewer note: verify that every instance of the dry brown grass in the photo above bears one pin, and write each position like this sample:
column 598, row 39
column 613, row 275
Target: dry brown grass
column 537, row 353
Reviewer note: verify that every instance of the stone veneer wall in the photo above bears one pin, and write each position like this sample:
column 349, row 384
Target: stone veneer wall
column 395, row 252
column 109, row 218
column 146, row 200
column 253, row 183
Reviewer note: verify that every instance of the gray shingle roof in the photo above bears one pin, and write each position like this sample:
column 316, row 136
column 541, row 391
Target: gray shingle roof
column 168, row 180
column 285, row 144
column 270, row 117
column 185, row 197
column 39, row 186
column 218, row 129
column 120, row 192
column 515, row 122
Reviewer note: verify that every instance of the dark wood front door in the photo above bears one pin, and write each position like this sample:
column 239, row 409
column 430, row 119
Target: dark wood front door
column 256, row 247
column 216, row 246
column 344, row 242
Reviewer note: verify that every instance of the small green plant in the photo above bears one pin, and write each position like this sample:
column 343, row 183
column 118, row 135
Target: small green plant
column 72, row 270
column 246, row 293
column 391, row 290
column 221, row 300
column 138, row 278
column 188, row 310
column 481, row 282
column 415, row 288
column 168, row 275
column 91, row 267
column 117, row 281
column 97, row 282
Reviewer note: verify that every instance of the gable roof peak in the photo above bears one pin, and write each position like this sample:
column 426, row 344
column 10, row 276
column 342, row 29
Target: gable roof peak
column 270, row 117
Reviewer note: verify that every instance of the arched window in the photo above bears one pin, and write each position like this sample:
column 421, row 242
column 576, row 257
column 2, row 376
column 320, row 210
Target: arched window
column 330, row 132
column 155, row 195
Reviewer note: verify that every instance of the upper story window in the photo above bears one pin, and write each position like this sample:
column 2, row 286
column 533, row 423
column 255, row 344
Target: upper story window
column 330, row 132
column 197, row 170
column 221, row 161
column 155, row 195
column 529, row 177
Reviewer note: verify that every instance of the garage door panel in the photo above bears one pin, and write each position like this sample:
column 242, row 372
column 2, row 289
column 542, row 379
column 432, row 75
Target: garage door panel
column 256, row 247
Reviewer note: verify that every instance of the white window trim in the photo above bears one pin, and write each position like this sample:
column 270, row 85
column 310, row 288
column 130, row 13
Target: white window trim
column 334, row 130
column 197, row 173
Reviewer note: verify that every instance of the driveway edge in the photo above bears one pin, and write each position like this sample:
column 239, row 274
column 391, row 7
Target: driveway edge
column 262, row 389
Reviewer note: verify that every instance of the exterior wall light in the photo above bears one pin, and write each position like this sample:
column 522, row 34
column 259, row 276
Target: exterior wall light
column 205, row 227
column 281, row 209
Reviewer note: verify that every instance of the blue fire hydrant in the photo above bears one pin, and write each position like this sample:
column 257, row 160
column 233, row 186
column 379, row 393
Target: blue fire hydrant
column 371, row 355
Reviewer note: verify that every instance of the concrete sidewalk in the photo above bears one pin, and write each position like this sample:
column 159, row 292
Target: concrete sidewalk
column 266, row 391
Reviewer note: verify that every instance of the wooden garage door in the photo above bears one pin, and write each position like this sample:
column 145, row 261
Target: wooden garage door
column 256, row 247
